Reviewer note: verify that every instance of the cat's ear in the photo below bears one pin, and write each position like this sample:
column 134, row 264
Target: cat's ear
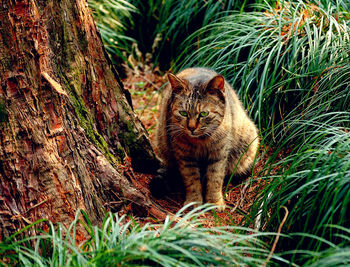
column 175, row 82
column 216, row 83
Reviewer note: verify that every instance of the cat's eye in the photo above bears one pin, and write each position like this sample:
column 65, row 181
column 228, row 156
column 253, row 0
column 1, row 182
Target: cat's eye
column 203, row 114
column 183, row 113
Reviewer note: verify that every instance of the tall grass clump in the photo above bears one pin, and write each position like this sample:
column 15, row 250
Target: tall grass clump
column 114, row 19
column 290, row 65
column 273, row 58
column 152, row 31
column 313, row 179
column 160, row 26
column 181, row 241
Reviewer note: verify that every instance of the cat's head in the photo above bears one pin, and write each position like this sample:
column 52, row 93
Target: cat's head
column 197, row 105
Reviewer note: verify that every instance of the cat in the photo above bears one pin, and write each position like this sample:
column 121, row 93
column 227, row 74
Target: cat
column 204, row 132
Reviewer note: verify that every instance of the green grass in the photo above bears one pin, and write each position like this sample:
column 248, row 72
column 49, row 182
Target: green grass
column 290, row 66
column 152, row 31
column 273, row 58
column 114, row 19
column 181, row 241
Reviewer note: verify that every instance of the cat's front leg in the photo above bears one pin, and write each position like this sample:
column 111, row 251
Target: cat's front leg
column 191, row 177
column 215, row 180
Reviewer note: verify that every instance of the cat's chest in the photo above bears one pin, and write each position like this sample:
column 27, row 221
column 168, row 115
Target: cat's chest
column 199, row 149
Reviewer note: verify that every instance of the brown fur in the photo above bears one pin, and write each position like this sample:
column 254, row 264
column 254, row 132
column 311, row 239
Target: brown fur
column 216, row 140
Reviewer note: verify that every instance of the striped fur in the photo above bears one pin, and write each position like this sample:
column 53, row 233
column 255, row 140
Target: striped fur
column 216, row 140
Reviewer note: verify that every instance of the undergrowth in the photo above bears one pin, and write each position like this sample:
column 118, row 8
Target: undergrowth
column 138, row 32
column 290, row 66
column 180, row 241
column 289, row 62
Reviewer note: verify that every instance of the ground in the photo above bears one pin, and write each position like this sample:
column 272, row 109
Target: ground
column 145, row 86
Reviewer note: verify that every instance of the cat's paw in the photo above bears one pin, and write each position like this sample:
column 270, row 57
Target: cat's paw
column 220, row 205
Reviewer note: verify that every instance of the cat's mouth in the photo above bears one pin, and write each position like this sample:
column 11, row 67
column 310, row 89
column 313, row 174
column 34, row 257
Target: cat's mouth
column 194, row 134
column 191, row 134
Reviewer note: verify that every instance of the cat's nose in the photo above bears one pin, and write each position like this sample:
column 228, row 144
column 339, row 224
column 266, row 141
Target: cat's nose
column 192, row 125
column 192, row 130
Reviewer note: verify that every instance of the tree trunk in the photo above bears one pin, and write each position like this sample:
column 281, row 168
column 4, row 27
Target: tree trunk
column 65, row 120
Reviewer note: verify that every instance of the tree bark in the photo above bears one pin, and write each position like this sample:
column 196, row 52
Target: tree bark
column 65, row 120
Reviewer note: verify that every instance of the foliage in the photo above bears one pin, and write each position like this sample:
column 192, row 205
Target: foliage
column 290, row 65
column 273, row 58
column 114, row 19
column 169, row 22
column 152, row 31
column 335, row 256
column 180, row 241
column 313, row 181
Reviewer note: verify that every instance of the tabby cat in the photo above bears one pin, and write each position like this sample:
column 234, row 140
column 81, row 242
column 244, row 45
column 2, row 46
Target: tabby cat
column 204, row 132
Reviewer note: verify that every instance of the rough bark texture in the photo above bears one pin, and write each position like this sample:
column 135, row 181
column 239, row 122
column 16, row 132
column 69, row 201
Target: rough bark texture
column 65, row 121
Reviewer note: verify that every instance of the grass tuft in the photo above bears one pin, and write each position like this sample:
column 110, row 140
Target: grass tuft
column 179, row 241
